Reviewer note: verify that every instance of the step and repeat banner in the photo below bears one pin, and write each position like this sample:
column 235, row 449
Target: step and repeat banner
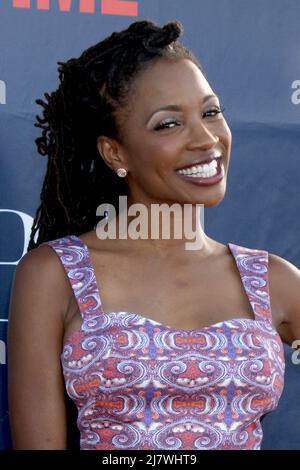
column 250, row 51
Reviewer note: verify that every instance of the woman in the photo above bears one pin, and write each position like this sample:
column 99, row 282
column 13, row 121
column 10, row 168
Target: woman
column 159, row 347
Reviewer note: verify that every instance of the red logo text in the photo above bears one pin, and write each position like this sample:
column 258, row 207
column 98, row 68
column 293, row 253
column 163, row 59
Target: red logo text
column 106, row 7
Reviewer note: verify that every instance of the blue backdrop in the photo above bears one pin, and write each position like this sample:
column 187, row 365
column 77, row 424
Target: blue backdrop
column 250, row 51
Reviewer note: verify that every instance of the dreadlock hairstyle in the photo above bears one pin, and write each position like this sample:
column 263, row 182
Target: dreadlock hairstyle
column 93, row 89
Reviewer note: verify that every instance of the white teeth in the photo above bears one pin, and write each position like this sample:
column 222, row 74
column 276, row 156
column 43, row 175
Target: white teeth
column 202, row 174
column 205, row 171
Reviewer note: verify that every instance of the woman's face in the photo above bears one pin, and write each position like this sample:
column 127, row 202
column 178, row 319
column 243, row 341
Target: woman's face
column 159, row 142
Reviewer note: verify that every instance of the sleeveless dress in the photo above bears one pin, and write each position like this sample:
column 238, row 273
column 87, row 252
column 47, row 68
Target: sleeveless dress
column 142, row 385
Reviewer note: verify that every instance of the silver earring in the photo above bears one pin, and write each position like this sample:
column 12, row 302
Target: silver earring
column 121, row 172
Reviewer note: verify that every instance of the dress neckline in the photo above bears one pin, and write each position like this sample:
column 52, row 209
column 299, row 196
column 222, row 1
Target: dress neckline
column 159, row 324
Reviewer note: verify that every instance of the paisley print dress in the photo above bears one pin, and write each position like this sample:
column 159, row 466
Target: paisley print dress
column 142, row 385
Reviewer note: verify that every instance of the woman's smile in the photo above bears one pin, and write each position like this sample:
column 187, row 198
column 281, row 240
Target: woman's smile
column 203, row 174
column 196, row 175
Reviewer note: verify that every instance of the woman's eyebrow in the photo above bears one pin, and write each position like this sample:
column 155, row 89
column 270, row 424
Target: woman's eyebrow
column 175, row 107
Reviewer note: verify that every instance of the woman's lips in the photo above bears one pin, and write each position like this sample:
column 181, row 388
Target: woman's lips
column 208, row 181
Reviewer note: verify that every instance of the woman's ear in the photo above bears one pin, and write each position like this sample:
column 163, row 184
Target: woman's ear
column 110, row 151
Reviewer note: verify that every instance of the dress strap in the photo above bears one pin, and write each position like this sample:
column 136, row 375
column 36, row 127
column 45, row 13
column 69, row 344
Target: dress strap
column 253, row 268
column 75, row 259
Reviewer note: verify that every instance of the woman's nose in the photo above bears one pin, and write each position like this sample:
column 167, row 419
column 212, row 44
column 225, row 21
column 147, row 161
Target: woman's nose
column 201, row 136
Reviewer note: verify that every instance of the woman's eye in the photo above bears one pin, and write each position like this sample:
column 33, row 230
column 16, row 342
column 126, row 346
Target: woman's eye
column 171, row 123
column 213, row 112
column 166, row 124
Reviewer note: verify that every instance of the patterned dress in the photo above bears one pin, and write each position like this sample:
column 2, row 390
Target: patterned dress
column 142, row 385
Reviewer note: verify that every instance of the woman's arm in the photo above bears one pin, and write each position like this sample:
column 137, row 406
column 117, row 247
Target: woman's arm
column 39, row 300
column 285, row 287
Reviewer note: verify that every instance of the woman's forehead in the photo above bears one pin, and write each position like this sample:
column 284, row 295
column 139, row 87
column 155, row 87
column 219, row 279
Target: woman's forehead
column 165, row 81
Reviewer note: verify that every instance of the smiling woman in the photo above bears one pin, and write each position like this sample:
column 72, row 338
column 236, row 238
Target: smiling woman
column 184, row 130
column 183, row 349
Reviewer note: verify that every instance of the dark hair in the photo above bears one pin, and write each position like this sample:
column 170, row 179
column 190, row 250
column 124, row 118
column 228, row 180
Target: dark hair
column 93, row 89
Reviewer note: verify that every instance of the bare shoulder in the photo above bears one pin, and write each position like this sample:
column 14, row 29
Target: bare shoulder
column 284, row 278
column 43, row 258
column 40, row 275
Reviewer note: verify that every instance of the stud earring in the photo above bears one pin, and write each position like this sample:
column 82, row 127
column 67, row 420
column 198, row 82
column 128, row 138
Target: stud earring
column 121, row 172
